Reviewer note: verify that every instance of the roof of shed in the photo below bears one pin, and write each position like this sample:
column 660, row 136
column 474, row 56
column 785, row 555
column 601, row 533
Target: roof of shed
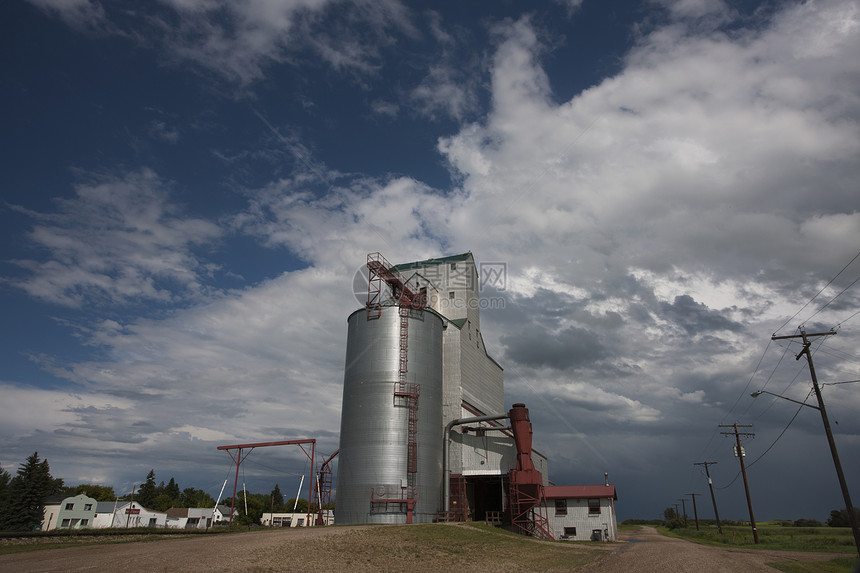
column 579, row 491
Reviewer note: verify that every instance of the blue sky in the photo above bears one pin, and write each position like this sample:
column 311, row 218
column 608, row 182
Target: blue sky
column 190, row 186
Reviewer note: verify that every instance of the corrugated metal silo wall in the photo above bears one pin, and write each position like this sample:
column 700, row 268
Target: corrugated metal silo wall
column 373, row 427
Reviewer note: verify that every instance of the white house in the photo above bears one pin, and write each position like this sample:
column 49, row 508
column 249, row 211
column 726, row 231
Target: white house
column 222, row 513
column 582, row 512
column 127, row 514
column 189, row 517
column 75, row 512
column 295, row 519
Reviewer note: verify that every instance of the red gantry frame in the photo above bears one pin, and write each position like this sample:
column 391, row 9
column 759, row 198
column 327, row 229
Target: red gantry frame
column 238, row 459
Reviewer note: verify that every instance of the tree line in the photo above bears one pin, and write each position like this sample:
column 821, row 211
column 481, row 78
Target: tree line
column 22, row 496
column 838, row 518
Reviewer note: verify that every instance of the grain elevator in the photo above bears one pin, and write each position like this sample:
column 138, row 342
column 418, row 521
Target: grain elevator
column 424, row 431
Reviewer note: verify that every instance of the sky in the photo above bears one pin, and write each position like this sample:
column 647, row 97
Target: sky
column 190, row 187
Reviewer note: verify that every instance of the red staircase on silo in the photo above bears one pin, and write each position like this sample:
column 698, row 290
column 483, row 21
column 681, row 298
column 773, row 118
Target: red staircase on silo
column 408, row 298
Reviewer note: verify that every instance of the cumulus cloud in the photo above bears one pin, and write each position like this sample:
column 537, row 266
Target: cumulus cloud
column 656, row 229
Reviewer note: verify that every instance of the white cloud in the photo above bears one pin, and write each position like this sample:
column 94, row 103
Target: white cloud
column 81, row 14
column 117, row 240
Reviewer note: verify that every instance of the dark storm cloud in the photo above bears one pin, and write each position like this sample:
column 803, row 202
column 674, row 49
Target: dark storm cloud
column 694, row 317
column 572, row 347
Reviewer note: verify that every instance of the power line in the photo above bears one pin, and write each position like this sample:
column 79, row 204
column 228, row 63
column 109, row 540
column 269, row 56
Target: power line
column 832, row 299
column 818, row 293
column 781, row 433
column 838, row 324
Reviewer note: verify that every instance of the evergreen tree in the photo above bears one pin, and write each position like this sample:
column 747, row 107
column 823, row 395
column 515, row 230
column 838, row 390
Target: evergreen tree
column 277, row 499
column 172, row 489
column 147, row 493
column 24, row 505
column 4, row 486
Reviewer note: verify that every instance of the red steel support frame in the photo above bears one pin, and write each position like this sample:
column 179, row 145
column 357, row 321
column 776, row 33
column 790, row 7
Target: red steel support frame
column 238, row 460
column 324, row 492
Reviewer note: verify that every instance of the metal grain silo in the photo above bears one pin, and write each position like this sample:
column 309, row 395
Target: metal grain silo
column 375, row 463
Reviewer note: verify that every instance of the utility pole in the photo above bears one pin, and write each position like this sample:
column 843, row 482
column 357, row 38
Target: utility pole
column 713, row 499
column 684, row 507
column 852, row 518
column 740, row 453
column 677, row 512
column 695, row 511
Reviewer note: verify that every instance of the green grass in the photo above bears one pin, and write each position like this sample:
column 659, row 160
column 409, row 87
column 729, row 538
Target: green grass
column 840, row 565
column 777, row 537
column 820, row 539
column 33, row 543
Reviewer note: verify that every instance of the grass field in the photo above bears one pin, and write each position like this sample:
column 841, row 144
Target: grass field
column 824, row 539
column 820, row 539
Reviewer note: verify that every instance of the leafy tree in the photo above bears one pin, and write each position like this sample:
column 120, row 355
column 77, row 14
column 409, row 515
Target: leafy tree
column 669, row 514
column 192, row 497
column 277, row 499
column 97, row 492
column 839, row 517
column 147, row 493
column 163, row 503
column 23, row 507
column 301, row 506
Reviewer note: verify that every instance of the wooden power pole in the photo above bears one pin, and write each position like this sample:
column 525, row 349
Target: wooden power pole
column 740, row 454
column 711, row 486
column 695, row 511
column 852, row 518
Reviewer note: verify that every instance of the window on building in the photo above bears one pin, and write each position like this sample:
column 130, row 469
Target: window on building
column 453, row 266
column 570, row 532
column 65, row 523
column 451, row 295
column 153, row 521
column 70, row 506
column 85, row 522
column 88, row 507
column 561, row 507
column 593, row 507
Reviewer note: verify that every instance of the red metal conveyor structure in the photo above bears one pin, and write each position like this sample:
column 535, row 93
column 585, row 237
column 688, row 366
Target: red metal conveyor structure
column 238, row 458
column 525, row 483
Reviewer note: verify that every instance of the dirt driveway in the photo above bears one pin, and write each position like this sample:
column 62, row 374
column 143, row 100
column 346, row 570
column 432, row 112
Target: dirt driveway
column 646, row 551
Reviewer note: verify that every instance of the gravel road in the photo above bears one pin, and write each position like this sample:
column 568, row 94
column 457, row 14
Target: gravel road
column 646, row 551
column 345, row 549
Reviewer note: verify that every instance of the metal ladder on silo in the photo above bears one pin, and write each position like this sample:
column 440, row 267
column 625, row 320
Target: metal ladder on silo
column 410, row 392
